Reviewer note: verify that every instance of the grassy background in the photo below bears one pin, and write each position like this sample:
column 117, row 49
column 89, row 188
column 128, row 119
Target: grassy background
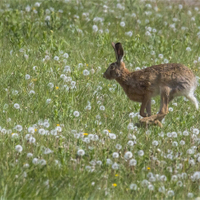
column 27, row 37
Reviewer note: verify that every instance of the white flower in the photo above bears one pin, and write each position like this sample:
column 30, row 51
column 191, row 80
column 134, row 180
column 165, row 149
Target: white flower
column 122, row 24
column 47, row 151
column 47, row 18
column 115, row 155
column 95, row 28
column 37, row 4
column 18, row 148
column 182, row 142
column 185, row 133
column 31, row 130
column 155, row 143
column 170, row 109
column 17, row 106
column 42, row 162
column 102, row 107
column 48, row 101
column 28, row 8
column 180, row 6
column 140, row 152
column 31, row 140
column 112, row 136
column 109, row 161
column 130, row 33
column 188, row 49
column 132, row 162
column 81, row 152
column 190, row 195
column 196, row 131
column 56, row 58
column 66, row 55
column 128, row 155
column 151, row 187
column 115, row 166
column 27, row 76
column 29, row 155
column 86, row 72
column 41, row 131
column 18, row 128
column 133, row 186
column 147, row 33
column 35, row 161
column 160, row 56
column 76, row 113
column 161, row 189
column 170, row 193
column 118, row 146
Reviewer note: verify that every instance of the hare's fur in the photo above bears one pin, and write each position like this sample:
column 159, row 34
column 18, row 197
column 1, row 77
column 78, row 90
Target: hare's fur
column 167, row 80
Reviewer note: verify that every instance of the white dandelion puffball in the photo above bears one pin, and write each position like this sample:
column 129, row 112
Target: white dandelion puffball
column 133, row 162
column 27, row 76
column 140, row 153
column 16, row 106
column 115, row 155
column 86, row 72
column 18, row 148
column 76, row 113
column 128, row 155
column 95, row 28
column 122, row 24
column 81, row 152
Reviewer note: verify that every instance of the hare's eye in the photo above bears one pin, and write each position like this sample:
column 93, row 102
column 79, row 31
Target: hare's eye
column 111, row 67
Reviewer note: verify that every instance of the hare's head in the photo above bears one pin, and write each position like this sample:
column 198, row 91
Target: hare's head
column 115, row 69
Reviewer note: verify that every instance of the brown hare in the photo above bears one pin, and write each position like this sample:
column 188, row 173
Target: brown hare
column 167, row 80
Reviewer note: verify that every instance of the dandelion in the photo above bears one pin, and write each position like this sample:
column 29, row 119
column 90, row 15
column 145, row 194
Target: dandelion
column 122, row 24
column 151, row 187
column 29, row 155
column 188, row 49
column 115, row 166
column 132, row 162
column 140, row 153
column 48, row 101
column 112, row 136
column 102, row 107
column 35, row 161
column 196, row 131
column 185, row 133
column 31, row 130
column 18, row 148
column 42, row 162
column 155, row 143
column 86, row 72
column 109, row 161
column 56, row 58
column 114, row 184
column 27, row 76
column 118, row 146
column 170, row 109
column 76, row 113
column 128, row 155
column 190, row 195
column 170, row 193
column 161, row 189
column 16, row 106
column 95, row 28
column 47, row 151
column 115, row 155
column 133, row 186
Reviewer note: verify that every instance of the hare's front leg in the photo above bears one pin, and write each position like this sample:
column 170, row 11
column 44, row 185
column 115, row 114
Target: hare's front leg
column 146, row 103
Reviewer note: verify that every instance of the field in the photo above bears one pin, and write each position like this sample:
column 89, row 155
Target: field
column 68, row 133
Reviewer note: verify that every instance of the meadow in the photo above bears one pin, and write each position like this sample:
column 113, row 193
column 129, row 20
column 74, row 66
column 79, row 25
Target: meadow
column 68, row 133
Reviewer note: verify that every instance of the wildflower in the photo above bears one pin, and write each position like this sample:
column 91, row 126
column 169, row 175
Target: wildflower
column 151, row 187
column 115, row 166
column 109, row 161
column 112, row 136
column 102, row 107
column 133, row 186
column 95, row 28
column 196, row 131
column 81, row 152
column 47, row 151
column 18, row 128
column 18, row 148
column 170, row 193
column 35, row 161
column 31, row 130
column 118, row 146
column 115, row 155
column 122, row 24
column 185, row 133
column 128, row 155
column 42, row 162
column 155, row 143
column 188, row 49
column 86, row 72
column 76, row 114
column 182, row 142
column 48, row 101
column 132, row 162
column 140, row 152
column 27, row 76
column 114, row 184
column 161, row 189
column 148, row 168
column 17, row 106
column 179, row 183
column 29, row 155
column 116, row 175
column 170, row 109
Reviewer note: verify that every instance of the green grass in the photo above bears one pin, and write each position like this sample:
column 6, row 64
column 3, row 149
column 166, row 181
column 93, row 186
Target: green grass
column 28, row 37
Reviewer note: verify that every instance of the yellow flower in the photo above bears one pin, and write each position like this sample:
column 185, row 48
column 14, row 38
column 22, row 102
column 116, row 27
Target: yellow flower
column 114, row 184
column 34, row 79
column 87, row 64
column 57, row 87
column 109, row 131
column 148, row 168
column 58, row 124
column 85, row 133
column 35, row 129
column 116, row 174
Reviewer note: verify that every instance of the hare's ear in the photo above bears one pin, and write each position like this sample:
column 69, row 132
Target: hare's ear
column 119, row 51
column 113, row 45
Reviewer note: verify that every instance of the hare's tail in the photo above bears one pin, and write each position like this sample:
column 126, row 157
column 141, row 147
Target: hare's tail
column 191, row 97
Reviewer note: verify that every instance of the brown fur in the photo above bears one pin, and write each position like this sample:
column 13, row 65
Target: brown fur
column 167, row 80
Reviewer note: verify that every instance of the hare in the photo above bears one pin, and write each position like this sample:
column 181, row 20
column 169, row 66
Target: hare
column 167, row 80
